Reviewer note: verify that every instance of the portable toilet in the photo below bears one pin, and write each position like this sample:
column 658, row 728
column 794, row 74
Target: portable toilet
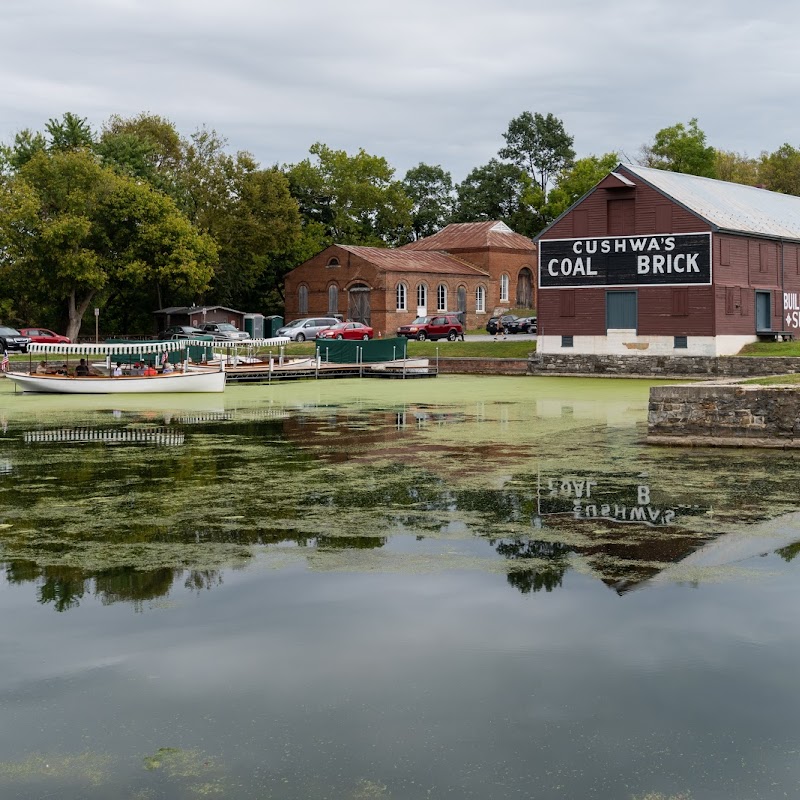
column 272, row 324
column 254, row 325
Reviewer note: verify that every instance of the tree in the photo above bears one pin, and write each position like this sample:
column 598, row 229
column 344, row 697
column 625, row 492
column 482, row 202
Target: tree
column 736, row 168
column 354, row 198
column 498, row 191
column 681, row 148
column 538, row 145
column 574, row 182
column 71, row 229
column 71, row 132
column 780, row 171
column 431, row 191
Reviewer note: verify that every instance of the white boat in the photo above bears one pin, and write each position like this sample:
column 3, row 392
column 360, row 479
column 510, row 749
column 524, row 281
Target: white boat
column 189, row 379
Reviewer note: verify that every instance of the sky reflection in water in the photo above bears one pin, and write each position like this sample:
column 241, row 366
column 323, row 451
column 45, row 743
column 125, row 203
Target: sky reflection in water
column 464, row 587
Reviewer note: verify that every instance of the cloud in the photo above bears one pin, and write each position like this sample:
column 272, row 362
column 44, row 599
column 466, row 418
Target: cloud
column 412, row 82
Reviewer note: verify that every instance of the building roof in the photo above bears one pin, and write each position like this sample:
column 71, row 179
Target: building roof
column 727, row 206
column 402, row 260
column 194, row 309
column 473, row 236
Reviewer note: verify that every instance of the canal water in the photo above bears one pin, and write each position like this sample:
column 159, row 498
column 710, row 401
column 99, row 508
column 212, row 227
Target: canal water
column 462, row 587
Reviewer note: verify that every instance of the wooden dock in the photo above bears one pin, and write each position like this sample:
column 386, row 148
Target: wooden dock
column 311, row 370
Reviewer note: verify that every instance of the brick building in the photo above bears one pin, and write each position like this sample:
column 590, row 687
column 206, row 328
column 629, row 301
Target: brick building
column 651, row 262
column 471, row 268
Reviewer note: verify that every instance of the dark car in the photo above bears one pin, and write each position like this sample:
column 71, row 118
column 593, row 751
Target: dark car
column 12, row 339
column 508, row 320
column 437, row 326
column 522, row 325
column 180, row 332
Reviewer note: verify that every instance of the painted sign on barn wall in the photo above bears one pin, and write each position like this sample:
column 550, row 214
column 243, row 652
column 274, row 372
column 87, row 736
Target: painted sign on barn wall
column 678, row 259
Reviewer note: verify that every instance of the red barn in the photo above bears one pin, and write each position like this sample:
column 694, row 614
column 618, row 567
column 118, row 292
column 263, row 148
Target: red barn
column 651, row 262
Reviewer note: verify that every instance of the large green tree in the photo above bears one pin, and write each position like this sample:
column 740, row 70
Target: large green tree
column 575, row 181
column 352, row 199
column 780, row 171
column 431, row 191
column 539, row 145
column 498, row 191
column 736, row 168
column 681, row 148
column 72, row 229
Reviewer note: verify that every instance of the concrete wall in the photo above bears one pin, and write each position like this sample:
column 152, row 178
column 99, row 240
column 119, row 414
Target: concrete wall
column 483, row 366
column 661, row 366
column 705, row 414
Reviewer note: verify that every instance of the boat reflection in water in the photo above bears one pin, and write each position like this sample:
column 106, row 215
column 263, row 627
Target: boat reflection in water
column 163, row 437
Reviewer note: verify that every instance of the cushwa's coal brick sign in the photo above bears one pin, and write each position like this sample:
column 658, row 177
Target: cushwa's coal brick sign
column 662, row 260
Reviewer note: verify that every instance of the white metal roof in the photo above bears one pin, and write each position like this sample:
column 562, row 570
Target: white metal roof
column 728, row 206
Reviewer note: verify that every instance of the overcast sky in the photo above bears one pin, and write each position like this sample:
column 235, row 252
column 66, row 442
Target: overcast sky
column 421, row 80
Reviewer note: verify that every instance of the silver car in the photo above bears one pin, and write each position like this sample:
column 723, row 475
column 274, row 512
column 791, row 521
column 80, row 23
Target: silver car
column 306, row 328
column 223, row 331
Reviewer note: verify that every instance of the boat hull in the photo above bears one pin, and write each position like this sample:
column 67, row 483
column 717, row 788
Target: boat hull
column 193, row 381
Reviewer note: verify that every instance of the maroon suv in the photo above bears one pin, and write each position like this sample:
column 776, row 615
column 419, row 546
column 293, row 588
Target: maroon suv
column 440, row 326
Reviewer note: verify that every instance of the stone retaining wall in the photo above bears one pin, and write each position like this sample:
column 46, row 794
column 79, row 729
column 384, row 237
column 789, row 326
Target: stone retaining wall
column 482, row 366
column 662, row 366
column 732, row 415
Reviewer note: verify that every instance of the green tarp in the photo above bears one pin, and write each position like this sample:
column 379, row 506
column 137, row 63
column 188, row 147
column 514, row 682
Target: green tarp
column 340, row 351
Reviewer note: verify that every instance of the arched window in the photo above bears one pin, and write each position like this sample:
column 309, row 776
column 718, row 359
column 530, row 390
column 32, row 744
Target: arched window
column 333, row 299
column 480, row 300
column 302, row 299
column 441, row 297
column 401, row 297
column 333, row 262
column 422, row 295
column 504, row 288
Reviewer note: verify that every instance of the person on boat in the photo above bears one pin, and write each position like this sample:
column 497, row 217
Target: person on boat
column 82, row 370
column 167, row 368
column 150, row 370
column 138, row 369
column 117, row 371
column 41, row 368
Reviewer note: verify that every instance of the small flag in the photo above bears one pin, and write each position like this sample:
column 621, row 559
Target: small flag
column 4, row 365
column 164, row 357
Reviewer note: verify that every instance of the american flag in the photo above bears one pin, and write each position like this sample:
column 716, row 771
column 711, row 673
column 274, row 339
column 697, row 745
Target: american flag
column 164, row 357
column 4, row 364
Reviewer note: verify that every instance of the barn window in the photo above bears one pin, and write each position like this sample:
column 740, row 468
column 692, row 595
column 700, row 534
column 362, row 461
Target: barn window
column 621, row 217
column 302, row 299
column 333, row 299
column 334, row 262
column 725, row 252
column 422, row 295
column 504, row 288
column 480, row 300
column 567, row 341
column 730, row 299
column 681, row 342
column 567, row 298
column 680, row 302
column 441, row 297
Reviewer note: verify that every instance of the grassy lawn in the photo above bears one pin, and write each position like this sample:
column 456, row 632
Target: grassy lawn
column 776, row 380
column 771, row 349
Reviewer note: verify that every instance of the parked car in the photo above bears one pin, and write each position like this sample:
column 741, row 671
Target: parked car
column 508, row 320
column 522, row 325
column 12, row 339
column 223, row 331
column 306, row 328
column 180, row 332
column 439, row 326
column 347, row 330
column 44, row 336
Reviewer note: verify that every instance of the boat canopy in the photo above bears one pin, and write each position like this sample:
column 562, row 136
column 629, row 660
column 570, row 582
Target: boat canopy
column 111, row 348
column 234, row 344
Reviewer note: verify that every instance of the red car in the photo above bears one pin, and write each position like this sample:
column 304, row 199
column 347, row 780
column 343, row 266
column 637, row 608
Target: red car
column 347, row 330
column 441, row 326
column 44, row 336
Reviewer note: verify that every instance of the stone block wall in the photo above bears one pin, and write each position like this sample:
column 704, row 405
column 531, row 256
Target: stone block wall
column 735, row 415
column 663, row 366
column 483, row 366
